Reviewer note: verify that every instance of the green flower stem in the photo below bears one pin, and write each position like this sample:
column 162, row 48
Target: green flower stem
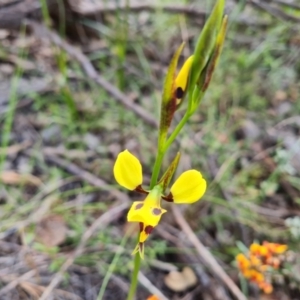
column 156, row 168
column 134, row 277
column 176, row 131
column 137, row 258
column 154, row 178
column 165, row 147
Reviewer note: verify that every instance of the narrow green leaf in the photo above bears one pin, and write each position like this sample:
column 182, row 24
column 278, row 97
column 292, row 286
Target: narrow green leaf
column 196, row 98
column 166, row 178
column 216, row 55
column 206, row 75
column 206, row 42
column 168, row 104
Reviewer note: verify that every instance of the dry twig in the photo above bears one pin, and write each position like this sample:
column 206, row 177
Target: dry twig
column 206, row 256
column 274, row 11
column 207, row 285
column 13, row 12
column 42, row 31
column 287, row 4
column 93, row 8
column 85, row 175
column 36, row 290
column 150, row 287
column 102, row 221
column 15, row 282
column 214, row 168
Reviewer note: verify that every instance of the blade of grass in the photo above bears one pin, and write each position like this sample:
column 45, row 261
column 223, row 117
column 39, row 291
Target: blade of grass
column 11, row 107
column 112, row 267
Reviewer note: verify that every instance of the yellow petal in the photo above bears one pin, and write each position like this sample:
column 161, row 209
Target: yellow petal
column 134, row 213
column 145, row 231
column 189, row 187
column 143, row 236
column 128, row 170
column 182, row 77
column 145, row 213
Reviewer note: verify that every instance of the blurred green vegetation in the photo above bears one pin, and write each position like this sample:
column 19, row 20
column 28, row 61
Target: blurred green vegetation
column 231, row 139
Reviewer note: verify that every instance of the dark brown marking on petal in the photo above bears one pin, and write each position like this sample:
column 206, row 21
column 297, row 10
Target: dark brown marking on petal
column 141, row 226
column 139, row 206
column 141, row 190
column 141, row 247
column 179, row 93
column 156, row 211
column 168, row 198
column 148, row 229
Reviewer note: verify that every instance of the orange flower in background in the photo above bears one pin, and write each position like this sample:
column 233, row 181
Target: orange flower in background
column 153, row 297
column 259, row 250
column 259, row 262
column 243, row 262
column 266, row 287
column 275, row 248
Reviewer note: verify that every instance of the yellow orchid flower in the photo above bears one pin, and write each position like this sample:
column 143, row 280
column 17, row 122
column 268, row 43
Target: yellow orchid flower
column 188, row 188
column 182, row 79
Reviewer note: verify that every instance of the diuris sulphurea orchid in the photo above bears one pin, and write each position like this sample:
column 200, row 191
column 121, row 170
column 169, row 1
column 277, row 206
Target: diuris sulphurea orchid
column 188, row 188
column 182, row 90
